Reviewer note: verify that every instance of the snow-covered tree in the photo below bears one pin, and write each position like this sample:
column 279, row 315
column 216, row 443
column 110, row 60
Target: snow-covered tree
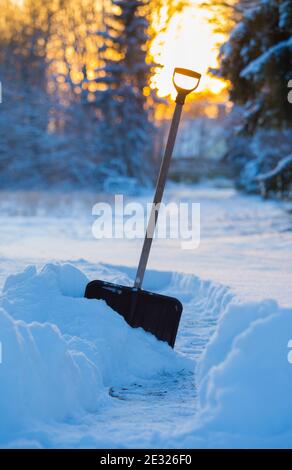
column 46, row 134
column 125, row 76
column 76, row 98
column 257, row 60
column 25, row 107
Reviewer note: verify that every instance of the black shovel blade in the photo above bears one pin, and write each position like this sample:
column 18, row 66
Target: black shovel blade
column 158, row 314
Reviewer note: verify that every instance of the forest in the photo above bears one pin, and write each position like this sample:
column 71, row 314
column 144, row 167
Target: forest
column 79, row 90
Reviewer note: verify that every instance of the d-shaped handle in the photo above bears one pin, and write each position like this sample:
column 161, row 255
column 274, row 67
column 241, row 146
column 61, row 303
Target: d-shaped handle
column 187, row 72
column 185, row 89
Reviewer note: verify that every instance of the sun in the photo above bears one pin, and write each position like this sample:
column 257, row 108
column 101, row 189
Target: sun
column 189, row 41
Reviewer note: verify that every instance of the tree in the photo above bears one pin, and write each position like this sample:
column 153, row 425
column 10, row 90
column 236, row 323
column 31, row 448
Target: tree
column 257, row 60
column 25, row 107
column 77, row 105
column 127, row 131
column 46, row 134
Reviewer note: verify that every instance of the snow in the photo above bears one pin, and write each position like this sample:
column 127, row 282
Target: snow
column 42, row 377
column 282, row 165
column 260, row 157
column 60, row 350
column 75, row 375
column 257, row 66
column 245, row 380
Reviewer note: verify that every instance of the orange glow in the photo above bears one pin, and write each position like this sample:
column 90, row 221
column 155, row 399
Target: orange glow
column 189, row 41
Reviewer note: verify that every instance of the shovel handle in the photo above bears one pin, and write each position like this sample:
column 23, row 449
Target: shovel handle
column 181, row 91
column 160, row 185
column 158, row 196
column 187, row 72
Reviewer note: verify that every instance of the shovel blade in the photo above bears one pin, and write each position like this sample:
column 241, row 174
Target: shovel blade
column 155, row 313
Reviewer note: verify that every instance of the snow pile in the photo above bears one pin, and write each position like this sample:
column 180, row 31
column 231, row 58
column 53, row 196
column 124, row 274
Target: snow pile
column 245, row 378
column 41, row 377
column 61, row 352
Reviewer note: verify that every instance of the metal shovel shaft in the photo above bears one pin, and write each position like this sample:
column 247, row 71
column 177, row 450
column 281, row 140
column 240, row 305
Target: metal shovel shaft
column 160, row 185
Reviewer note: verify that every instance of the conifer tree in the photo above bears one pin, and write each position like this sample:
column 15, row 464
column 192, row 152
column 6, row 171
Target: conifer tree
column 257, row 60
column 127, row 132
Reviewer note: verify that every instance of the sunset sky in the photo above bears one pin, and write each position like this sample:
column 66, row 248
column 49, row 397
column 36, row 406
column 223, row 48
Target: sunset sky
column 189, row 41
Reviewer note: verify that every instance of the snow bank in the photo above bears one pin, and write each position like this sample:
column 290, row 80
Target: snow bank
column 41, row 377
column 245, row 379
column 61, row 351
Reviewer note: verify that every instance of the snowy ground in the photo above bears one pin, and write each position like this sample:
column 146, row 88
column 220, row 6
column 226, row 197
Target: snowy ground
column 167, row 399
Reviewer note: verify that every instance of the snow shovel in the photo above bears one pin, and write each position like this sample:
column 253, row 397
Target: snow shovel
column 155, row 313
